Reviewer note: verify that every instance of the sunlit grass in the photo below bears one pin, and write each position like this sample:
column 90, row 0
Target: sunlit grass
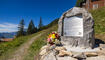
column 99, row 18
column 37, row 44
column 7, row 48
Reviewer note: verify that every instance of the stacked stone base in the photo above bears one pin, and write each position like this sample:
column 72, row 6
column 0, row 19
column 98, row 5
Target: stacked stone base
column 61, row 53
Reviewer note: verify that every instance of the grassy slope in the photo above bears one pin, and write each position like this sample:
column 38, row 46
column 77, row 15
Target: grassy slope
column 99, row 18
column 37, row 44
column 7, row 48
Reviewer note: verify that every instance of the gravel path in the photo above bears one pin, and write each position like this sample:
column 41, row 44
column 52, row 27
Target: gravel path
column 22, row 51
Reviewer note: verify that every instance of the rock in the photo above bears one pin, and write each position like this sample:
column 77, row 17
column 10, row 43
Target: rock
column 44, row 51
column 63, row 53
column 101, row 52
column 91, row 54
column 44, row 47
column 52, row 47
column 60, row 48
column 96, row 58
column 66, row 58
column 79, row 55
column 49, row 56
column 68, row 28
column 102, row 46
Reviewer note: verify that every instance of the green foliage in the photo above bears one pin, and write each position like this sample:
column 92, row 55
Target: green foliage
column 31, row 28
column 99, row 18
column 78, row 3
column 21, row 29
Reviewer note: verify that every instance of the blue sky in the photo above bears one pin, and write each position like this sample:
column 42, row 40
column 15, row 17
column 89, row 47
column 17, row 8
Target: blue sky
column 12, row 11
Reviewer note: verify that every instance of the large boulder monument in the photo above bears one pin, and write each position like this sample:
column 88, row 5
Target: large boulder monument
column 76, row 28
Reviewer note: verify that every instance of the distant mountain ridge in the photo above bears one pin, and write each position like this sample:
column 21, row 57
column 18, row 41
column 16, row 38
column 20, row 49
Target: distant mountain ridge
column 7, row 34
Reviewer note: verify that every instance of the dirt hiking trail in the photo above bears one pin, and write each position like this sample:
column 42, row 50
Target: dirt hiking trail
column 22, row 50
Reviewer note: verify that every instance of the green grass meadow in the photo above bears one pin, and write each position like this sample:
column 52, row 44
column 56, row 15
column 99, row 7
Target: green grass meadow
column 7, row 48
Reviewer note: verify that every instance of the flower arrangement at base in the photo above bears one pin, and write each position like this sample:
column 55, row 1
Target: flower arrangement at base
column 53, row 38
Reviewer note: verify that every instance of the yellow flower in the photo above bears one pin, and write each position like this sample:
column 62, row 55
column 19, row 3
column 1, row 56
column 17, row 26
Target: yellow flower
column 53, row 36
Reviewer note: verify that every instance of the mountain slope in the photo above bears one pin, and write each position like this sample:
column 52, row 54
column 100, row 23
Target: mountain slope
column 8, row 48
column 11, row 50
column 21, row 51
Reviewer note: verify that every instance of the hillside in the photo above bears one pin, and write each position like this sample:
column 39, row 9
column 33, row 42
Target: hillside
column 99, row 19
column 41, row 41
column 9, row 50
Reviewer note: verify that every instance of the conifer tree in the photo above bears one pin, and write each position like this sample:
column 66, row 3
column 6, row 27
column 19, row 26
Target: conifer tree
column 78, row 3
column 21, row 28
column 31, row 28
column 40, row 24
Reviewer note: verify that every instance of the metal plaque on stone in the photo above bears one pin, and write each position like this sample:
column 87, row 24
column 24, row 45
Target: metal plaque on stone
column 73, row 26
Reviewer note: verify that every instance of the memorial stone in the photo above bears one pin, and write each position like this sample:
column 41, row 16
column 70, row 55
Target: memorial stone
column 76, row 28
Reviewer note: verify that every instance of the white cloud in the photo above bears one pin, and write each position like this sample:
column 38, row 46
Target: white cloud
column 8, row 27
